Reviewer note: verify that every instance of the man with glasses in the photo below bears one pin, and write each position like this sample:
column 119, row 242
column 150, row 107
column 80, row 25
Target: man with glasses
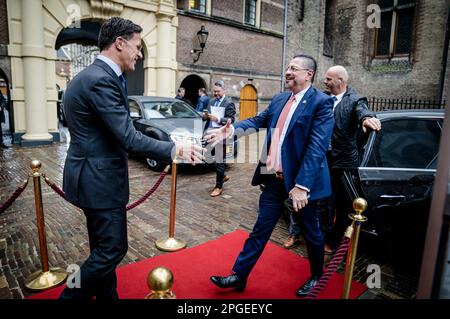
column 96, row 167
column 299, row 123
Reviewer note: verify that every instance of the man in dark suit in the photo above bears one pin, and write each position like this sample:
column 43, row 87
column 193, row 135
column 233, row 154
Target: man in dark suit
column 3, row 104
column 96, row 167
column 220, row 109
column 203, row 100
column 299, row 126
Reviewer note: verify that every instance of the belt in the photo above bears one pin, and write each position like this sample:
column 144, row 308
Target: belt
column 279, row 175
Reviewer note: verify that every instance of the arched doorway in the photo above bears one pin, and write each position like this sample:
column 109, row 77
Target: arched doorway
column 86, row 35
column 248, row 103
column 192, row 83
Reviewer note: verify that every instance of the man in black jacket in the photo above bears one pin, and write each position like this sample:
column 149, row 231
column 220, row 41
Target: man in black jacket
column 96, row 168
column 351, row 114
column 3, row 104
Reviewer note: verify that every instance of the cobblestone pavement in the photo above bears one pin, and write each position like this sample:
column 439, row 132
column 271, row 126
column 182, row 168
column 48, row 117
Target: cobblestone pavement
column 199, row 218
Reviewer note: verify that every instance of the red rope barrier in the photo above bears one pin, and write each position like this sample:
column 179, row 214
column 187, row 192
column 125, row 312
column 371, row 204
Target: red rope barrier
column 13, row 197
column 61, row 193
column 149, row 192
column 331, row 268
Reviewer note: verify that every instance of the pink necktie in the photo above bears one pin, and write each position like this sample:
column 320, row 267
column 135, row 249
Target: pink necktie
column 275, row 141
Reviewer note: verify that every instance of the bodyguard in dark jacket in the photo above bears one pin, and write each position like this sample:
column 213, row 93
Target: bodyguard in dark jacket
column 351, row 117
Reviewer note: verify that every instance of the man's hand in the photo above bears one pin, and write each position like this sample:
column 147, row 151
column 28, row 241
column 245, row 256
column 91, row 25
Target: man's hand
column 212, row 118
column 189, row 152
column 217, row 136
column 299, row 198
column 371, row 123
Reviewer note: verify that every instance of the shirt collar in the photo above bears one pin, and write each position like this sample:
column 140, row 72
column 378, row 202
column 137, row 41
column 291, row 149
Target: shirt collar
column 300, row 94
column 111, row 64
column 339, row 96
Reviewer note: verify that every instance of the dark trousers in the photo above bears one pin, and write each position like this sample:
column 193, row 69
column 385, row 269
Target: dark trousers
column 219, row 164
column 338, row 206
column 108, row 243
column 271, row 205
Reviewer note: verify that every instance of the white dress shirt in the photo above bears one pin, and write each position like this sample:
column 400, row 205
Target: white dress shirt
column 111, row 64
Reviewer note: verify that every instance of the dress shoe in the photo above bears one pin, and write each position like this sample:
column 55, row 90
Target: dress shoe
column 291, row 241
column 231, row 281
column 304, row 290
column 216, row 192
column 226, row 178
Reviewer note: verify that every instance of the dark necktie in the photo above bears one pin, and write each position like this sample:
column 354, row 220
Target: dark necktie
column 334, row 98
column 124, row 82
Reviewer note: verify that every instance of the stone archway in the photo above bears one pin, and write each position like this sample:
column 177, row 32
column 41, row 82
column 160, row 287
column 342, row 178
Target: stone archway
column 33, row 55
column 192, row 83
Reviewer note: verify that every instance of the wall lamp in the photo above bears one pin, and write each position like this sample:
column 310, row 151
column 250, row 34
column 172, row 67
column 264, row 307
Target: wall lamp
column 202, row 36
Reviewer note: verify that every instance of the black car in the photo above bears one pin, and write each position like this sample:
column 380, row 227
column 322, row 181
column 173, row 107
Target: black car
column 169, row 119
column 396, row 175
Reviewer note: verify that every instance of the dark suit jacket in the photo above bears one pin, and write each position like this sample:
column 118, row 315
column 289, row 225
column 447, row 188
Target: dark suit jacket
column 305, row 144
column 96, row 167
column 2, row 109
column 230, row 110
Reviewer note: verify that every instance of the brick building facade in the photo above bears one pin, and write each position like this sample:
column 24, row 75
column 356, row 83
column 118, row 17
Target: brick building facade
column 241, row 52
column 401, row 59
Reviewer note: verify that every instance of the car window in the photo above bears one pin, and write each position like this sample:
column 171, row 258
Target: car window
column 135, row 110
column 406, row 143
column 169, row 109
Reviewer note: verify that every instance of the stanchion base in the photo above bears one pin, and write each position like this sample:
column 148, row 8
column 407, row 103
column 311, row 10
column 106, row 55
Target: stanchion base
column 170, row 244
column 39, row 280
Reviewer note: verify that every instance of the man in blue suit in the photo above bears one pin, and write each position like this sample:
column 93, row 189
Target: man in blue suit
column 300, row 124
column 96, row 167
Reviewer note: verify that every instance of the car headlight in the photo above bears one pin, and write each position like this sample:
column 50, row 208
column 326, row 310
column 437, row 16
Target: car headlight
column 186, row 138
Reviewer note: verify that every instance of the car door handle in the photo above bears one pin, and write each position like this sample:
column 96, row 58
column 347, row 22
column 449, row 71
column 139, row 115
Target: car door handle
column 393, row 196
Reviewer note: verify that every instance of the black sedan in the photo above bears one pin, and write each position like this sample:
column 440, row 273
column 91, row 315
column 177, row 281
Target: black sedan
column 169, row 119
column 396, row 176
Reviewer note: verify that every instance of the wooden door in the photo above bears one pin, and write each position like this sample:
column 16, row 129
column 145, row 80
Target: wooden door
column 248, row 104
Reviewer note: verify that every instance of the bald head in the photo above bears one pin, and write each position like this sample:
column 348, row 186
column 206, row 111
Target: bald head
column 336, row 79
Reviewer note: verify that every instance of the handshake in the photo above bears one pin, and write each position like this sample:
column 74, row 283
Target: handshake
column 193, row 153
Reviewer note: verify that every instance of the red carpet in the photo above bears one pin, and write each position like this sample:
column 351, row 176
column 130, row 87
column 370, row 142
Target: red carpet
column 277, row 275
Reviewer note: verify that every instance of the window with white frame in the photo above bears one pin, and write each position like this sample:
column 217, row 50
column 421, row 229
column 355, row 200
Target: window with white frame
column 250, row 12
column 197, row 6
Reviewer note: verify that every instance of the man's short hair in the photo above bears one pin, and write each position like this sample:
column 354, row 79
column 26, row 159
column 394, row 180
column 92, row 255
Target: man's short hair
column 203, row 90
column 308, row 62
column 116, row 27
column 220, row 83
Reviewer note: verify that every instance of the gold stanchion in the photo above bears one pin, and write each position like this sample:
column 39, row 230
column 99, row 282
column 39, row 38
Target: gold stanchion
column 359, row 205
column 171, row 244
column 160, row 281
column 47, row 277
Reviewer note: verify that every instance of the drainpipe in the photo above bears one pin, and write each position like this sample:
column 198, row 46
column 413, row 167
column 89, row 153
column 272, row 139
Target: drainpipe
column 284, row 42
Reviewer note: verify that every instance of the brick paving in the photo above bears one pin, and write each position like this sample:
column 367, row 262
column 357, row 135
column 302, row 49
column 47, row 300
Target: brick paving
column 199, row 218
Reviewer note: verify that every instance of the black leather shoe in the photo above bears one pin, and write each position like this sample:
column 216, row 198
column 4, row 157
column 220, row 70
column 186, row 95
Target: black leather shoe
column 231, row 281
column 304, row 290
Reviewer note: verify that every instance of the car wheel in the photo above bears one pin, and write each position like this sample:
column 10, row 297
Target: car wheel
column 155, row 165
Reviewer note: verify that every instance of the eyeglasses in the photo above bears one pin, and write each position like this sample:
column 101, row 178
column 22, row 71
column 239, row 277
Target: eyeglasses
column 294, row 68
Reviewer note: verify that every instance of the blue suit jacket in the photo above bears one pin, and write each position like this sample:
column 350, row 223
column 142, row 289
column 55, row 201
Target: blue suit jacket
column 305, row 144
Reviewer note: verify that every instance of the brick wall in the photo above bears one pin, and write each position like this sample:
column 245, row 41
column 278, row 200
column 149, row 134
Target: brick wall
column 4, row 37
column 230, row 47
column 352, row 47
column 272, row 17
column 230, row 9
